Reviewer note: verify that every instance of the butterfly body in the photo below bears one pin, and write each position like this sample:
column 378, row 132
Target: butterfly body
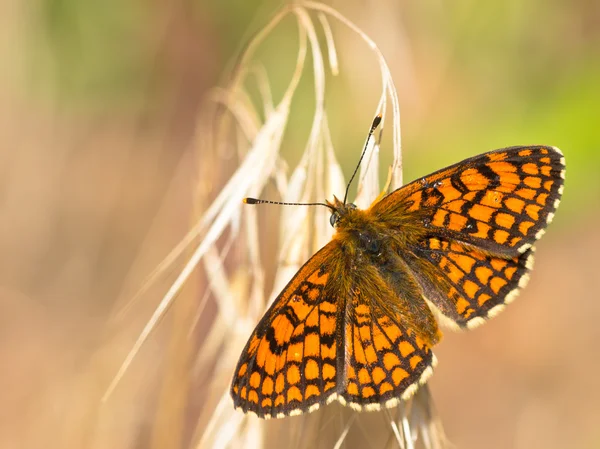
column 359, row 319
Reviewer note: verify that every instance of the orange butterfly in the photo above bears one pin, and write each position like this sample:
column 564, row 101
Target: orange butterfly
column 358, row 321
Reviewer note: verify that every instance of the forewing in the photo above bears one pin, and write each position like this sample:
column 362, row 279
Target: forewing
column 467, row 285
column 499, row 201
column 289, row 364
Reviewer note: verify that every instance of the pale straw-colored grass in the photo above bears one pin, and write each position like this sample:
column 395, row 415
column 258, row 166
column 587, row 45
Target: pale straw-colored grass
column 228, row 244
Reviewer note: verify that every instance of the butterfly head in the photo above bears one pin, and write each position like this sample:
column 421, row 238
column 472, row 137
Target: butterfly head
column 339, row 210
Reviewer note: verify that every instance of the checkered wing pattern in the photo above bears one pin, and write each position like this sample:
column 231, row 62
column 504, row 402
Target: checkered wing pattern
column 499, row 201
column 386, row 359
column 477, row 222
column 465, row 284
column 290, row 364
column 356, row 323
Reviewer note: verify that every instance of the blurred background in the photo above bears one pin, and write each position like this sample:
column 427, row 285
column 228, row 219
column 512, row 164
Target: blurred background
column 100, row 164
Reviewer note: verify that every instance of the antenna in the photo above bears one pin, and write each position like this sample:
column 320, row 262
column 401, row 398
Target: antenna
column 376, row 122
column 281, row 203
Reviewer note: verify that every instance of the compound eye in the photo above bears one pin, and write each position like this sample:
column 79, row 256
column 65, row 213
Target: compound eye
column 334, row 219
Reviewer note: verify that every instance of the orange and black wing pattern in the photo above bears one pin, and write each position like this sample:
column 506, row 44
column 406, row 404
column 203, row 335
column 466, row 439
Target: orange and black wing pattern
column 357, row 322
column 387, row 356
column 364, row 340
column 290, row 365
column 477, row 223
column 500, row 201
column 466, row 284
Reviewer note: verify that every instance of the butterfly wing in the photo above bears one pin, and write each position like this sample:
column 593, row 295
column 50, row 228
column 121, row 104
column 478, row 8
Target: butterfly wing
column 363, row 339
column 388, row 334
column 290, row 363
column 478, row 221
column 466, row 284
column 499, row 201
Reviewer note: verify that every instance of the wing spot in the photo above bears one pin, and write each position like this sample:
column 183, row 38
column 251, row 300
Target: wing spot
column 384, row 388
column 493, row 199
column 311, row 369
column 524, row 227
column 363, row 376
column 474, row 180
column 415, row 360
column 294, row 394
column 465, row 262
column 530, row 169
column 533, row 211
column 496, row 284
column 370, row 354
column 368, row 392
column 390, row 360
column 253, row 397
column 279, row 383
column 510, row 272
column 497, row 156
column 328, row 371
column 294, row 352
column 406, row 348
column 281, row 327
column 501, row 236
column 378, row 375
column 352, row 389
column 483, row 230
column 470, row 288
column 483, row 274
column 457, row 222
column 498, row 264
column 501, row 168
column 514, row 204
column 505, row 220
column 528, row 194
column 312, row 344
column 311, row 390
column 483, row 298
column 461, row 305
column 293, row 374
column 267, row 386
column 398, row 375
column 255, row 380
column 279, row 400
column 481, row 213
column 546, row 170
column 455, row 206
column 533, row 181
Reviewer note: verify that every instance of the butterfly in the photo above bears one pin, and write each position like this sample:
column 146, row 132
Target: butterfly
column 357, row 323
